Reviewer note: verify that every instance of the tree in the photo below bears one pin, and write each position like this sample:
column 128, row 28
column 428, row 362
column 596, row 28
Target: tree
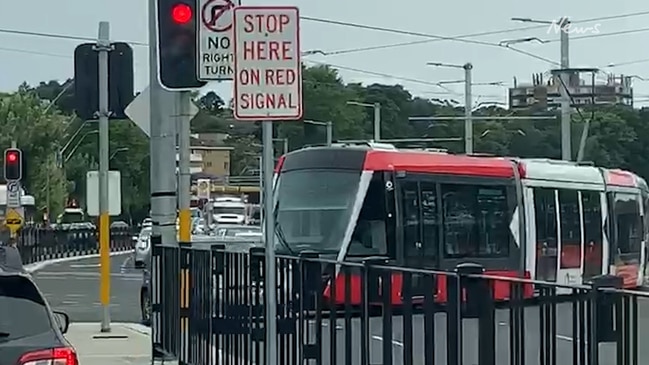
column 36, row 128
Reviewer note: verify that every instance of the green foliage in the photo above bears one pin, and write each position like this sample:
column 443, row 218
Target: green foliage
column 36, row 128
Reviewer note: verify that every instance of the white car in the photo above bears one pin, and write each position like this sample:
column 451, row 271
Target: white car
column 143, row 247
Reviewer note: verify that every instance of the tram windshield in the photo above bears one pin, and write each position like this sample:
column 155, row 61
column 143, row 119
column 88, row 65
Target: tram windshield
column 314, row 207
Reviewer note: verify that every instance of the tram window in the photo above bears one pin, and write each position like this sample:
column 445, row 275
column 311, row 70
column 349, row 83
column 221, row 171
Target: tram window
column 546, row 217
column 592, row 208
column 628, row 223
column 411, row 221
column 430, row 221
column 476, row 221
column 570, row 229
column 369, row 236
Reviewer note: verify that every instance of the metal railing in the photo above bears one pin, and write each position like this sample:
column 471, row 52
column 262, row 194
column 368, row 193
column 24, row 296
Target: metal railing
column 372, row 313
column 38, row 244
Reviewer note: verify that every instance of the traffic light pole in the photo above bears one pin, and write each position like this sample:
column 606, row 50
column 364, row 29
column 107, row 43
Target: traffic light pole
column 103, row 47
column 163, row 174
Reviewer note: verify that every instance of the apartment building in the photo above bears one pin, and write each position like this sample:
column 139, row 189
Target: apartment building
column 583, row 87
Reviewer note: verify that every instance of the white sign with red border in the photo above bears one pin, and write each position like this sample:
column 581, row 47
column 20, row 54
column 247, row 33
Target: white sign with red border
column 215, row 56
column 267, row 66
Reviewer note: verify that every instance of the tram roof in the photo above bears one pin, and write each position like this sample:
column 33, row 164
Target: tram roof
column 365, row 157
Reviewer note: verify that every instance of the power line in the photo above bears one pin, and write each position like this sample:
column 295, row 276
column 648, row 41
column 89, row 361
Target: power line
column 436, row 38
column 432, row 37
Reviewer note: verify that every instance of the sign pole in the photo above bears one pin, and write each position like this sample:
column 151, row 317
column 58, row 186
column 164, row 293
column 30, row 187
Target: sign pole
column 103, row 47
column 268, row 159
column 282, row 84
column 184, row 177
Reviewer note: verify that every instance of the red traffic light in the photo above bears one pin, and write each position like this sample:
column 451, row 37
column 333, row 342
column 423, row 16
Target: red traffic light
column 181, row 13
column 12, row 157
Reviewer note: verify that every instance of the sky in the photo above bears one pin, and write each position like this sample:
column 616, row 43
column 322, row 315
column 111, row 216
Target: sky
column 33, row 59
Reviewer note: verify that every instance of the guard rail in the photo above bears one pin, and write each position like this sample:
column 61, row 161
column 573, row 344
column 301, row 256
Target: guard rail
column 211, row 310
column 39, row 243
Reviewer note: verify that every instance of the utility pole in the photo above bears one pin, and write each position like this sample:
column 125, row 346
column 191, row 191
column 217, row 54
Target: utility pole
column 330, row 133
column 184, row 176
column 103, row 47
column 377, row 122
column 468, row 101
column 566, row 138
column 376, row 126
column 468, row 106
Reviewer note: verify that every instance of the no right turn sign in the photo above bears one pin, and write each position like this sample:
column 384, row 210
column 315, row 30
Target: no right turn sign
column 215, row 54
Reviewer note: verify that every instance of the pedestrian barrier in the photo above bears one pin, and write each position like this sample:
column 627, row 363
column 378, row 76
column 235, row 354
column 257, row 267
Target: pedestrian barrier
column 39, row 243
column 222, row 321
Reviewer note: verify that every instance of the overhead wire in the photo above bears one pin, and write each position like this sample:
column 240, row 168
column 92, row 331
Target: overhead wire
column 460, row 38
column 437, row 38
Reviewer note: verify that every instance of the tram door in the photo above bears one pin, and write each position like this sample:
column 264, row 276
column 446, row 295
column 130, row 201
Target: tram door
column 568, row 235
column 419, row 220
column 571, row 245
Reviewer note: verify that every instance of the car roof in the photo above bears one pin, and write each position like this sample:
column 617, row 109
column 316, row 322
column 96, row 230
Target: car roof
column 10, row 261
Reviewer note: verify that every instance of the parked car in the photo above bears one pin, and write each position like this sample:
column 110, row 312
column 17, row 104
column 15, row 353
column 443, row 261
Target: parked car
column 30, row 332
column 143, row 247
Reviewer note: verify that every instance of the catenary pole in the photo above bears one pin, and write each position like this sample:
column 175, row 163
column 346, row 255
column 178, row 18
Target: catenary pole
column 566, row 137
column 468, row 106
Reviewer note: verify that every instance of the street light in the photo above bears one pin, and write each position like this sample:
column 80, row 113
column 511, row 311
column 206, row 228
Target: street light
column 327, row 125
column 121, row 149
column 468, row 102
column 377, row 116
column 74, row 149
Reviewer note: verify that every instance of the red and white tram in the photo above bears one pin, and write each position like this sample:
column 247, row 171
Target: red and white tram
column 536, row 218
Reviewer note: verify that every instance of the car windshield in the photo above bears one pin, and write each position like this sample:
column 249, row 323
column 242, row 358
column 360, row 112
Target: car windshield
column 314, row 208
column 25, row 313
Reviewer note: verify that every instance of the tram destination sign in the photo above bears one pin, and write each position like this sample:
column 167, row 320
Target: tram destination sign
column 268, row 72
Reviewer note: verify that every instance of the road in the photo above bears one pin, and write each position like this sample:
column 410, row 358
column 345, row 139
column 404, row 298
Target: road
column 564, row 339
column 73, row 287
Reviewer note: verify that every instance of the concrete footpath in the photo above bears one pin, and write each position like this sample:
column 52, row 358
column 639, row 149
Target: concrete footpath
column 127, row 343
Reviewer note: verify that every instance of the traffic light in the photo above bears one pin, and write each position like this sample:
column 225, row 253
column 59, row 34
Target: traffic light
column 13, row 164
column 86, row 80
column 177, row 32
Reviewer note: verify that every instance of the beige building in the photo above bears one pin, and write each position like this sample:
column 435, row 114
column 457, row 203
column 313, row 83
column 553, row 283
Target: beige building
column 213, row 160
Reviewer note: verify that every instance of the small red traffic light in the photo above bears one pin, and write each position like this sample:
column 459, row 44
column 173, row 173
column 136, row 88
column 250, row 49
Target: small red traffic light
column 12, row 157
column 181, row 13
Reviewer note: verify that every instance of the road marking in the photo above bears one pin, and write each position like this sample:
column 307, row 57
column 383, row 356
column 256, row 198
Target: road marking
column 79, row 266
column 126, row 262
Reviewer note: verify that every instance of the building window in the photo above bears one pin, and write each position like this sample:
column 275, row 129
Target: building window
column 226, row 166
column 208, row 163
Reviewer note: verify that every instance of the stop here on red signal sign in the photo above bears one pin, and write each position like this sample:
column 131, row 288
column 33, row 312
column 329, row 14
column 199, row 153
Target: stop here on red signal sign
column 268, row 72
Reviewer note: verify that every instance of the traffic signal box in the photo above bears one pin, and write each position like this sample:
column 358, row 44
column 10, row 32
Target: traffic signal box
column 13, row 164
column 177, row 32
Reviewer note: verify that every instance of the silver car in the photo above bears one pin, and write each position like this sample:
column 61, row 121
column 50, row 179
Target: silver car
column 143, row 247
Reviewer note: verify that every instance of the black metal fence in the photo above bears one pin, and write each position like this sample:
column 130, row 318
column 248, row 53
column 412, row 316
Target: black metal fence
column 38, row 243
column 372, row 313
